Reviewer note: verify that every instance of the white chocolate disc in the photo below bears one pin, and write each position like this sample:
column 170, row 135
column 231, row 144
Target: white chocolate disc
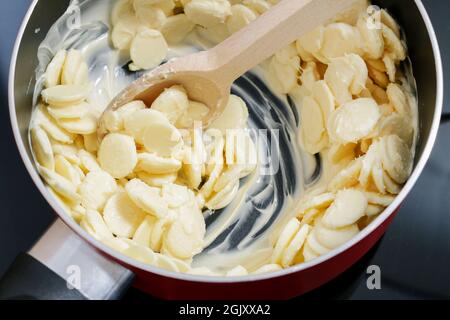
column 309, row 216
column 118, row 244
column 60, row 185
column 98, row 226
column 207, row 13
column 283, row 77
column 42, row 148
column 234, row 116
column 85, row 125
column 393, row 44
column 240, row 17
column 390, row 22
column 91, row 142
column 82, row 75
column 173, row 103
column 333, row 238
column 398, row 99
column 72, row 65
column 351, row 15
column 214, row 34
column 149, row 14
column 397, row 158
column 379, row 199
column 360, row 73
column 238, row 271
column 295, row 246
column 46, row 122
column 312, row 121
column 179, row 265
column 166, row 262
column 67, row 170
column 157, row 180
column 374, row 210
column 96, row 189
column 347, row 177
column 230, row 176
column 377, row 177
column 121, row 9
column 315, row 245
column 114, row 121
column 398, row 125
column 148, row 49
column 317, row 202
column 124, row 31
column 77, row 213
column 122, row 216
column 308, row 253
column 147, row 198
column 341, row 152
column 324, row 97
column 167, row 6
column 153, row 164
column 368, row 161
column 141, row 253
column 258, row 6
column 340, row 39
column 137, row 122
column 348, row 207
column 117, row 155
column 286, row 236
column 339, row 77
column 162, row 139
column 202, row 271
column 391, row 186
column 268, row 268
column 70, row 152
column 309, row 76
column 143, row 233
column 54, row 69
column 158, row 232
column 312, row 42
column 224, row 197
column 346, row 76
column 373, row 38
column 184, row 239
column 353, row 121
column 304, row 55
column 176, row 195
column 65, row 95
column 195, row 113
column 208, row 187
column 176, row 28
column 76, row 111
column 391, row 68
column 88, row 162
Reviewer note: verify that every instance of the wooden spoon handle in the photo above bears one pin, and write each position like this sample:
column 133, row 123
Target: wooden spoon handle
column 274, row 30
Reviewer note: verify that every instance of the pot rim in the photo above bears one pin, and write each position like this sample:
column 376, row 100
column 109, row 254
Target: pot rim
column 250, row 278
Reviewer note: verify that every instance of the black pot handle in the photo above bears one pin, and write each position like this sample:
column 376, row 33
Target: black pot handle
column 62, row 266
column 29, row 279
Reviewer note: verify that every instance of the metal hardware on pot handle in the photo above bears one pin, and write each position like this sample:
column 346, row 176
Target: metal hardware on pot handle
column 62, row 266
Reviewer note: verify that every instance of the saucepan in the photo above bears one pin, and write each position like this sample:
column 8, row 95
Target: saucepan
column 66, row 252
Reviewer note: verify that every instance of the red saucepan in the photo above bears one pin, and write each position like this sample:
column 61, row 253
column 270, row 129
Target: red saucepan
column 67, row 251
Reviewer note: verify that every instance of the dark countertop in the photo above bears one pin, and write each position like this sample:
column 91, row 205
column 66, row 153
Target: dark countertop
column 412, row 256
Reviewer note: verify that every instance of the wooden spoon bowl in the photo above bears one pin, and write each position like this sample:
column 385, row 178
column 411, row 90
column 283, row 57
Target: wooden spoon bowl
column 207, row 76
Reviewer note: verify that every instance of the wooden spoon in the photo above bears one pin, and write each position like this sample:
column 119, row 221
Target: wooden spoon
column 207, row 76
